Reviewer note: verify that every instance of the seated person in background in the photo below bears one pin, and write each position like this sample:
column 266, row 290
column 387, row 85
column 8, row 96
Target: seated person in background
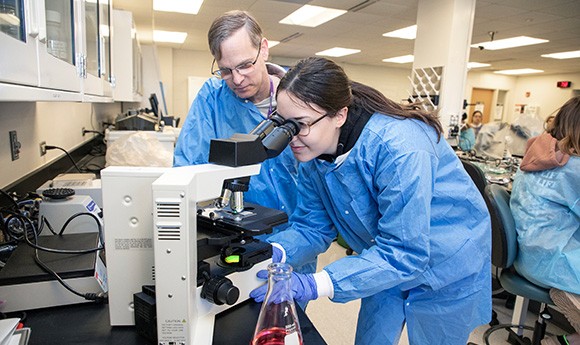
column 502, row 140
column 476, row 122
column 236, row 100
column 466, row 135
column 382, row 176
column 545, row 203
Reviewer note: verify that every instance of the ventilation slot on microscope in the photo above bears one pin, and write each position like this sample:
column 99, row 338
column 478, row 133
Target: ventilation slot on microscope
column 168, row 209
column 168, row 233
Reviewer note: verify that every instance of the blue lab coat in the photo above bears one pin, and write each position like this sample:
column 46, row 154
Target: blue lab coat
column 217, row 112
column 546, row 209
column 466, row 139
column 403, row 202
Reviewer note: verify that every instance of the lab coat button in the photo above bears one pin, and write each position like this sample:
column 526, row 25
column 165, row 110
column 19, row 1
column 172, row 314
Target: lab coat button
column 346, row 212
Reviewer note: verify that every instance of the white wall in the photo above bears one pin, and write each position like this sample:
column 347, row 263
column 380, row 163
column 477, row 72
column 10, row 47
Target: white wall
column 57, row 123
column 187, row 63
column 542, row 89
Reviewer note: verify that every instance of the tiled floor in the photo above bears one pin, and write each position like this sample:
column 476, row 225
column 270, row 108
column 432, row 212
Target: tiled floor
column 336, row 322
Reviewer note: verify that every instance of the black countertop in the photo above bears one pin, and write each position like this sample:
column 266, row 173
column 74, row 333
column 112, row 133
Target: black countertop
column 88, row 324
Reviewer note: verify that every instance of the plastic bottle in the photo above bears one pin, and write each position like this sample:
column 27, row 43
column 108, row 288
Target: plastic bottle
column 56, row 46
column 278, row 321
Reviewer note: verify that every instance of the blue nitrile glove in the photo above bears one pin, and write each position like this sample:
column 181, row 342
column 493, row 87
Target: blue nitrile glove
column 303, row 287
column 276, row 254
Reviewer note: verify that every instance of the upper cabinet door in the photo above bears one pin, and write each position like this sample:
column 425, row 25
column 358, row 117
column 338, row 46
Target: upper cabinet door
column 127, row 59
column 97, row 47
column 18, row 31
column 57, row 51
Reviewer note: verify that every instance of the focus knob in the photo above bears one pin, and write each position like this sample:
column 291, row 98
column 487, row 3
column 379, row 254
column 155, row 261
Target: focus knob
column 220, row 290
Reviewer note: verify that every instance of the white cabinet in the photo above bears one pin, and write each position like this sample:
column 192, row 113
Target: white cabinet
column 128, row 74
column 55, row 50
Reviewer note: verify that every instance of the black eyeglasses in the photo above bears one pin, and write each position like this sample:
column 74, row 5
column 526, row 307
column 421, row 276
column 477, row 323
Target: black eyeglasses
column 305, row 127
column 242, row 69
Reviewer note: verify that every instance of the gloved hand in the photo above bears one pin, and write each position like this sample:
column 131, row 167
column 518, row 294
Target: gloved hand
column 303, row 287
column 276, row 255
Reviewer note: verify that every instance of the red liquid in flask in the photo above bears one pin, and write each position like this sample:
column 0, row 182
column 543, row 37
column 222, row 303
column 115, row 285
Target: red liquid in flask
column 276, row 336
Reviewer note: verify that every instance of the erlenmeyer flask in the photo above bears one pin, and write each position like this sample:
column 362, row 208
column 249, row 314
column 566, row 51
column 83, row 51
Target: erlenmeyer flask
column 278, row 321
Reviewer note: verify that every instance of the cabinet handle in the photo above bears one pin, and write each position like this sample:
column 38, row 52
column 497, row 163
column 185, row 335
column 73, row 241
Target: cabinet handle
column 31, row 13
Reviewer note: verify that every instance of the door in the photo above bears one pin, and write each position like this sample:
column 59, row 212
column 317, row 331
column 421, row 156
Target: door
column 18, row 32
column 482, row 98
column 57, row 48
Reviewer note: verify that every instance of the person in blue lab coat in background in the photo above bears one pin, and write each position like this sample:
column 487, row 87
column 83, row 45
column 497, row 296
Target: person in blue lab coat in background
column 236, row 100
column 381, row 175
column 545, row 202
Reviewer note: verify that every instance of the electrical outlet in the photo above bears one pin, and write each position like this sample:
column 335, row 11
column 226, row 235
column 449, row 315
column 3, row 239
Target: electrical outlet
column 84, row 131
column 14, row 145
column 42, row 148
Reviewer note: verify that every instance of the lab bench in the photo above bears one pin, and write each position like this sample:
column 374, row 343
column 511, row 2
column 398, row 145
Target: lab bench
column 88, row 324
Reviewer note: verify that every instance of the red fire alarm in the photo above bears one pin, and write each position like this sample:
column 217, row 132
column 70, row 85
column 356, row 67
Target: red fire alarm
column 564, row 84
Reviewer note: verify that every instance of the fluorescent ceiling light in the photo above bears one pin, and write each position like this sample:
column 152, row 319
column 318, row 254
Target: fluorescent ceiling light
column 337, row 51
column 401, row 59
column 180, row 6
column 311, row 16
column 408, row 33
column 513, row 42
column 169, row 36
column 471, row 65
column 273, row 43
column 563, row 55
column 519, row 71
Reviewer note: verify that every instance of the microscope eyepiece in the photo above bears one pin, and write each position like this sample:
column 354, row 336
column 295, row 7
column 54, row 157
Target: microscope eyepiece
column 280, row 137
column 266, row 126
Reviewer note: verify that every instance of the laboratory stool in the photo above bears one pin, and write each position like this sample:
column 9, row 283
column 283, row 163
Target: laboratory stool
column 504, row 253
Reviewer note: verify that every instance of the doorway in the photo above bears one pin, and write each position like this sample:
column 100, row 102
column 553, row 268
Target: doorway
column 481, row 99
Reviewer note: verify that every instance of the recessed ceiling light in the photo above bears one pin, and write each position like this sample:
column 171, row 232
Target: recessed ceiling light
column 477, row 65
column 563, row 55
column 169, row 36
column 311, row 16
column 401, row 59
column 273, row 43
column 519, row 71
column 180, row 6
column 337, row 51
column 408, row 33
column 509, row 43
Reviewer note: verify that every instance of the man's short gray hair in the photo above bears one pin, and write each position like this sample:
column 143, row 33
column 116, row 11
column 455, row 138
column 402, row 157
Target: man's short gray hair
column 227, row 24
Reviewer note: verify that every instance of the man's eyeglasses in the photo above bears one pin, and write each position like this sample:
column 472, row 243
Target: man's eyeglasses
column 305, row 127
column 242, row 69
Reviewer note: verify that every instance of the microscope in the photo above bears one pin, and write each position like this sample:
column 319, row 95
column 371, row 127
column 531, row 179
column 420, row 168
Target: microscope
column 201, row 257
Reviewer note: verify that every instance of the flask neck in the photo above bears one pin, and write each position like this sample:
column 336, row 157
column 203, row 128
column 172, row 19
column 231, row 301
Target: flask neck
column 279, row 288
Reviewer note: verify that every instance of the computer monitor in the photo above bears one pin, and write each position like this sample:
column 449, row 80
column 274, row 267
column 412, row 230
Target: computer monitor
column 155, row 105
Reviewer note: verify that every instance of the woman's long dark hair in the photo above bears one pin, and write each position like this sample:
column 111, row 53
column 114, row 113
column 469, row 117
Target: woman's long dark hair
column 320, row 81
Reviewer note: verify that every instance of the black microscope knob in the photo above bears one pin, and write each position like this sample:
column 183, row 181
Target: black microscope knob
column 220, row 290
column 58, row 193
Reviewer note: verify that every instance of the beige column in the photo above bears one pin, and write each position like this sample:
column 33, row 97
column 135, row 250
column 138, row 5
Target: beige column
column 441, row 53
